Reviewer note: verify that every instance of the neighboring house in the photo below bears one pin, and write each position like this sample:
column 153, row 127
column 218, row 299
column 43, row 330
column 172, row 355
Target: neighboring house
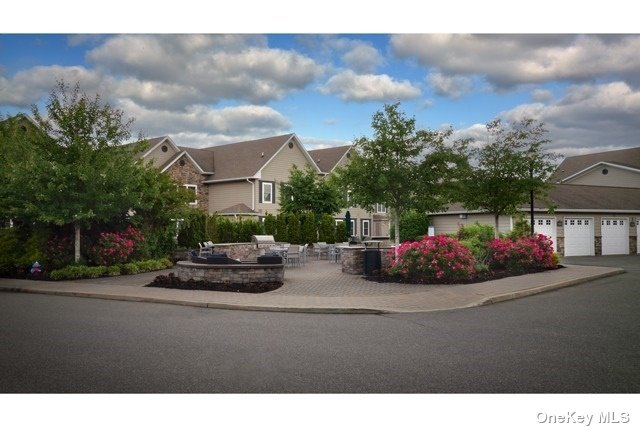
column 240, row 179
column 597, row 206
column 364, row 224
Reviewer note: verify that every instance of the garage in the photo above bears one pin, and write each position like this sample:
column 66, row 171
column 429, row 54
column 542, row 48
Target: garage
column 615, row 236
column 578, row 237
column 546, row 226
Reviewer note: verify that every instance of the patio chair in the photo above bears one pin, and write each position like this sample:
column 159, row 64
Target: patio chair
column 303, row 253
column 293, row 255
column 334, row 253
column 204, row 249
column 320, row 249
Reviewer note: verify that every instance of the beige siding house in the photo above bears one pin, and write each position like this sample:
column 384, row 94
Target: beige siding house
column 596, row 211
column 240, row 179
column 372, row 223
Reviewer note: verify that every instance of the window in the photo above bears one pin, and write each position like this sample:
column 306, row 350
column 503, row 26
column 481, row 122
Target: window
column 193, row 188
column 165, row 148
column 548, row 222
column 267, row 192
column 338, row 221
column 365, row 227
column 380, row 208
column 354, row 231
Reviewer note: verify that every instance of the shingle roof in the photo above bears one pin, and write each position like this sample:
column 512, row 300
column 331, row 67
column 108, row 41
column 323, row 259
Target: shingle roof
column 585, row 197
column 328, row 158
column 629, row 157
column 244, row 159
column 567, row 197
column 204, row 158
column 240, row 208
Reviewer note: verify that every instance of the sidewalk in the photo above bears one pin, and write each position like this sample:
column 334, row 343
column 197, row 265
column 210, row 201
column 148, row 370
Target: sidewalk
column 321, row 287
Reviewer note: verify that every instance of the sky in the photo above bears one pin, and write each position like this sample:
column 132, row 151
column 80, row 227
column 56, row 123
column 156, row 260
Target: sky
column 205, row 88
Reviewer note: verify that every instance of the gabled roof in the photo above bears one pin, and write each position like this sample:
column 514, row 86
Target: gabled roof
column 203, row 158
column 628, row 157
column 239, row 209
column 327, row 158
column 246, row 159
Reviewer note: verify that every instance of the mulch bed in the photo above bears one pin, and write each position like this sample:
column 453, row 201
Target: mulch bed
column 172, row 282
column 477, row 278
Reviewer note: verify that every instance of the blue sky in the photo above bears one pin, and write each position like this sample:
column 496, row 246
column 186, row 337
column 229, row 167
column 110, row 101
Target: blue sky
column 205, row 89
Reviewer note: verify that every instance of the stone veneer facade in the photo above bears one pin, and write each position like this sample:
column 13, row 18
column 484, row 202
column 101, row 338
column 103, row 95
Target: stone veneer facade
column 230, row 273
column 186, row 173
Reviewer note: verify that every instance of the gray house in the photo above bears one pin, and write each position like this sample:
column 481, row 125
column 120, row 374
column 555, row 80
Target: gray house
column 597, row 206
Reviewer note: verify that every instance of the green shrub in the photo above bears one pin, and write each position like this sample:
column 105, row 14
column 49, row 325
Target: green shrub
column 9, row 245
column 309, row 228
column 413, row 226
column 482, row 232
column 341, row 232
column 270, row 224
column 227, row 231
column 130, row 268
column 282, row 234
column 34, row 248
column 294, row 231
column 521, row 228
column 193, row 229
column 73, row 272
column 327, row 229
column 113, row 270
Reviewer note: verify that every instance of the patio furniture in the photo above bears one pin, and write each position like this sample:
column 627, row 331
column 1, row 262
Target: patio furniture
column 204, row 249
column 334, row 253
column 320, row 249
column 293, row 255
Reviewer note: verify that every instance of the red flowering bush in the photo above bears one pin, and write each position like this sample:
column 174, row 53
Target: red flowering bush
column 435, row 258
column 525, row 253
column 116, row 248
column 59, row 251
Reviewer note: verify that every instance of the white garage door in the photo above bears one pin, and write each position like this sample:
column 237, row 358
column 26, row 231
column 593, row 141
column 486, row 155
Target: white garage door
column 615, row 236
column 578, row 237
column 546, row 226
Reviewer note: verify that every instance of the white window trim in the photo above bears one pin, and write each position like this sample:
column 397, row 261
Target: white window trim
column 381, row 208
column 354, row 226
column 195, row 192
column 271, row 186
column 368, row 222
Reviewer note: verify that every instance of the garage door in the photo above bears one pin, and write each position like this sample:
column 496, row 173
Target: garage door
column 615, row 236
column 578, row 237
column 546, row 226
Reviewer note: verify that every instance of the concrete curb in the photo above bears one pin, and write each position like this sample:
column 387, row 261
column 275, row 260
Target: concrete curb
column 545, row 288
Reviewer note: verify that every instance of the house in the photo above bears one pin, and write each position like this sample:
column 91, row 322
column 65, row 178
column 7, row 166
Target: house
column 239, row 179
column 364, row 224
column 242, row 179
column 597, row 206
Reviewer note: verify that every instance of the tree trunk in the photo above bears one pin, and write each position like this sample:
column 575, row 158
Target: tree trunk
column 76, row 228
column 496, row 219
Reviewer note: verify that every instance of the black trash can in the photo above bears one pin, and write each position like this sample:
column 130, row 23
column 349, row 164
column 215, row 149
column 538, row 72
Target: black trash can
column 372, row 262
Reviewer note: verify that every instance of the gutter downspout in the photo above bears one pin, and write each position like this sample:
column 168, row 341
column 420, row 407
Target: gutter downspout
column 253, row 194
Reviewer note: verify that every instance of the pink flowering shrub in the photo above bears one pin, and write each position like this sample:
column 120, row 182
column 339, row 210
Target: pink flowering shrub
column 435, row 258
column 524, row 253
column 116, row 248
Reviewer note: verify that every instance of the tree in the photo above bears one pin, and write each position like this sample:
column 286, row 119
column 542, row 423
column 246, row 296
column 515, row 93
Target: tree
column 508, row 168
column 281, row 229
column 77, row 171
column 413, row 225
column 327, row 229
column 402, row 167
column 305, row 191
column 293, row 226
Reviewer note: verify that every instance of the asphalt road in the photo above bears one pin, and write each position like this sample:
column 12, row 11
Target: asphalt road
column 583, row 339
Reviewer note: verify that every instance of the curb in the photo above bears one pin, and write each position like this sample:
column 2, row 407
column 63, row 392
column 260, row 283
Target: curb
column 317, row 310
column 544, row 288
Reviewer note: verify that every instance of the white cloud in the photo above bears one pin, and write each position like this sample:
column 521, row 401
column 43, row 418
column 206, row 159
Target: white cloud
column 450, row 86
column 588, row 118
column 207, row 67
column 507, row 61
column 363, row 58
column 30, row 86
column 541, row 95
column 350, row 86
column 204, row 126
